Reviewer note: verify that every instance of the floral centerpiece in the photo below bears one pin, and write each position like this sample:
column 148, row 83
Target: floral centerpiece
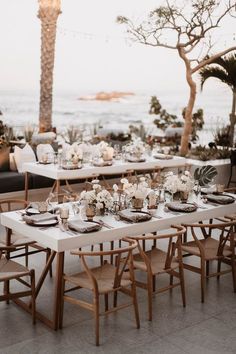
column 136, row 148
column 136, row 192
column 98, row 198
column 73, row 154
column 183, row 184
column 104, row 151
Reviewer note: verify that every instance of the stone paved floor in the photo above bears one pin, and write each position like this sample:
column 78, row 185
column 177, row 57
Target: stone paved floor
column 199, row 328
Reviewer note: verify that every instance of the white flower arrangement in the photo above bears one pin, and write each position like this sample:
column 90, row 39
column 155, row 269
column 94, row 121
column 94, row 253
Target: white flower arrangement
column 74, row 152
column 136, row 147
column 174, row 183
column 99, row 197
column 135, row 190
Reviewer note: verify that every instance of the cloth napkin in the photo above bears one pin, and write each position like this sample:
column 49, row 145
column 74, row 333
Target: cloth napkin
column 134, row 216
column 39, row 218
column 84, row 226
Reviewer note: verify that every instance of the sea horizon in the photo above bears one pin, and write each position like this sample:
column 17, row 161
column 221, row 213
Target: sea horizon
column 20, row 108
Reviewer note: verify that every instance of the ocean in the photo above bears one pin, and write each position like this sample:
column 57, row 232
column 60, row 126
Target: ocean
column 20, row 108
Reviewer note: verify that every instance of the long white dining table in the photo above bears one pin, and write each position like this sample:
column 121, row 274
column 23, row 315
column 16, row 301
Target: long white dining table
column 58, row 174
column 113, row 229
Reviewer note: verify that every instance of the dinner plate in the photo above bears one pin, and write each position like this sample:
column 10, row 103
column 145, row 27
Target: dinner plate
column 162, row 157
column 134, row 159
column 45, row 223
column 220, row 198
column 45, row 163
column 34, row 211
column 133, row 215
column 84, row 226
column 71, row 167
column 182, row 207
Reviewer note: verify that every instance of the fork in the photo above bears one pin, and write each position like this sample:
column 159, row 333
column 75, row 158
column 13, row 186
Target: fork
column 105, row 224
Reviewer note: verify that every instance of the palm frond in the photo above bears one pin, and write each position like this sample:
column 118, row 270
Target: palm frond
column 226, row 65
column 214, row 72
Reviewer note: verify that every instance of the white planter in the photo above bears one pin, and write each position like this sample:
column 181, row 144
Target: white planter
column 222, row 166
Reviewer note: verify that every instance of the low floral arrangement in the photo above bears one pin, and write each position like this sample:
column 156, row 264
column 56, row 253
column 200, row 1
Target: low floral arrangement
column 135, row 190
column 74, row 153
column 174, row 183
column 136, row 147
column 98, row 197
column 104, row 150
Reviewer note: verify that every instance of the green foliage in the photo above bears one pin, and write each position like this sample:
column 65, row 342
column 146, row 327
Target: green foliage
column 221, row 136
column 165, row 119
column 6, row 134
column 205, row 175
column 73, row 135
column 223, row 69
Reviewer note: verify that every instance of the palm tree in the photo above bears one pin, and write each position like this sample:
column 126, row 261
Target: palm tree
column 225, row 71
column 49, row 11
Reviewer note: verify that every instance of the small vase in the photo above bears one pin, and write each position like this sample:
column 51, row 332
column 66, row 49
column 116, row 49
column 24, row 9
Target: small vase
column 184, row 196
column 137, row 203
column 177, row 196
column 90, row 212
column 100, row 212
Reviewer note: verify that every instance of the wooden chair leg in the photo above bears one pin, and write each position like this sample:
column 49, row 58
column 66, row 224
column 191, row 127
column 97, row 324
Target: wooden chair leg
column 203, row 280
column 233, row 263
column 62, row 305
column 150, row 292
column 48, row 253
column 6, row 289
column 106, row 301
column 135, row 304
column 33, row 310
column 112, row 248
column 96, row 315
column 101, row 249
column 171, row 282
column 207, row 269
column 26, row 256
column 115, row 298
column 153, row 283
column 182, row 285
column 218, row 268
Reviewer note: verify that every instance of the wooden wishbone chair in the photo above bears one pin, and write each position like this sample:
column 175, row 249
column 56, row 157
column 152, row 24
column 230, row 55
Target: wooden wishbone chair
column 20, row 242
column 10, row 270
column 156, row 261
column 104, row 280
column 209, row 247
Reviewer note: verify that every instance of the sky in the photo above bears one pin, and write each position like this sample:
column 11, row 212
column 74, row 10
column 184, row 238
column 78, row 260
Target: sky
column 92, row 53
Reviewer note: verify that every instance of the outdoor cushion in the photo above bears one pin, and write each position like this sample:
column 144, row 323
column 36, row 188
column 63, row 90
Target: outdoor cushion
column 23, row 155
column 11, row 182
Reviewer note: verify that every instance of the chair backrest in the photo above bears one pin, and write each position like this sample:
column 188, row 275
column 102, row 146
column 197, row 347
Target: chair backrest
column 173, row 244
column 223, row 232
column 123, row 259
column 12, row 204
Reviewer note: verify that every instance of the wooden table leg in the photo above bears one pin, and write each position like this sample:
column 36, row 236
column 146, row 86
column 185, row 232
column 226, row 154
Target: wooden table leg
column 26, row 185
column 58, row 289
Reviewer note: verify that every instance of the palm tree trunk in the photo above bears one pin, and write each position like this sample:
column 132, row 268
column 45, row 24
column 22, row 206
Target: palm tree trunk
column 48, row 16
column 189, row 109
column 232, row 119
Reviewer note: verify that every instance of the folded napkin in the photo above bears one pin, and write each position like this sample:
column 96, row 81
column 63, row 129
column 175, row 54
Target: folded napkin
column 84, row 226
column 34, row 219
column 163, row 157
column 182, row 207
column 220, row 199
column 134, row 216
